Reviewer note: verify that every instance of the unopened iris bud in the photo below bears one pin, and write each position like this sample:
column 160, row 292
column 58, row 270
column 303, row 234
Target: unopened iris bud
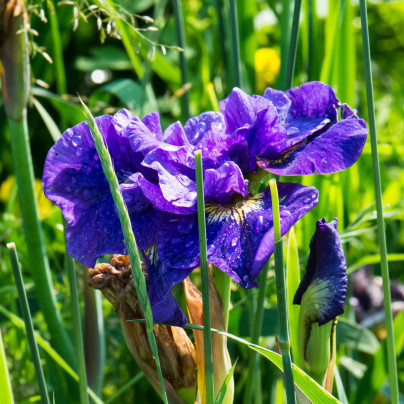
column 321, row 296
column 176, row 351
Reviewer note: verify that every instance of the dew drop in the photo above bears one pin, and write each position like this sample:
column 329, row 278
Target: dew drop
column 245, row 279
column 79, row 151
column 293, row 130
column 184, row 180
column 259, row 224
column 76, row 140
column 234, row 242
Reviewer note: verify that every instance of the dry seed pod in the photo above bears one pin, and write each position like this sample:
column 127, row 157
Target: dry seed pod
column 176, row 351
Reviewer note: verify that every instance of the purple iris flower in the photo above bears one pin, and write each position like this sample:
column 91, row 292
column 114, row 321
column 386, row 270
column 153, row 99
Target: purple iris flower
column 296, row 132
column 156, row 173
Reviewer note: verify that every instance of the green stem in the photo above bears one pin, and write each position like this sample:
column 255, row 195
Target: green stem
column 257, row 327
column 235, row 44
column 284, row 341
column 391, row 354
column 285, row 35
column 293, row 46
column 94, row 336
column 205, row 279
column 179, row 23
column 77, row 330
column 35, row 241
column 130, row 242
column 28, row 322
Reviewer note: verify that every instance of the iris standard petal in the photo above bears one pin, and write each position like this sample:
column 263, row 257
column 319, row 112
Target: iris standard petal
column 239, row 235
column 74, row 179
column 322, row 291
column 161, row 280
column 333, row 150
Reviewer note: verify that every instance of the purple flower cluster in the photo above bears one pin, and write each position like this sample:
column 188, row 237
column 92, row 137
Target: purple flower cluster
column 296, row 132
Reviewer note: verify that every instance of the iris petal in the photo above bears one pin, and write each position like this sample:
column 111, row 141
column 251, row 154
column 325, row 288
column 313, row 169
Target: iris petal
column 239, row 235
column 322, row 291
column 165, row 308
column 74, row 179
column 334, row 150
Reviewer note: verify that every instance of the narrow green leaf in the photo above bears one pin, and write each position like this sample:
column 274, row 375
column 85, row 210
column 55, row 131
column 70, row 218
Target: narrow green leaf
column 48, row 120
column 292, row 284
column 49, row 350
column 5, row 382
column 306, row 384
column 205, row 278
column 33, row 347
column 354, row 336
column 340, row 386
column 222, row 393
column 373, row 259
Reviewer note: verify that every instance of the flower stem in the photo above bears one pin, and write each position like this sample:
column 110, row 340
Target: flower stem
column 15, row 85
column 130, row 242
column 77, row 329
column 257, row 327
column 293, row 46
column 235, row 44
column 179, row 23
column 284, row 341
column 28, row 322
column 391, row 354
column 205, row 279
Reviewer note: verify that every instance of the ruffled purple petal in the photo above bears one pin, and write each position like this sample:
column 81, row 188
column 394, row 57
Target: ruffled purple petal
column 332, row 151
column 74, row 179
column 240, row 236
column 240, row 109
column 161, row 280
column 325, row 280
column 152, row 122
column 312, row 100
column 221, row 184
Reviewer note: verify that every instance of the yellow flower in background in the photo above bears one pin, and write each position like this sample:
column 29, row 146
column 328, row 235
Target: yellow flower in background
column 267, row 66
column 44, row 205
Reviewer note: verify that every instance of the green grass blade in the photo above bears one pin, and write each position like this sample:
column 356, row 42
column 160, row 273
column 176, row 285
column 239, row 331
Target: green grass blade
column 292, row 284
column 94, row 336
column 210, row 398
column 392, row 359
column 133, row 252
column 28, row 323
column 339, row 386
column 290, row 69
column 373, row 259
column 49, row 350
column 285, row 41
column 179, row 24
column 77, row 330
column 235, row 44
column 258, row 316
column 57, row 58
column 48, row 120
column 222, row 392
column 284, row 341
column 5, row 382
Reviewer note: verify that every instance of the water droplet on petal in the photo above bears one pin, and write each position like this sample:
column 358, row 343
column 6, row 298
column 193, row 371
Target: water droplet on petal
column 234, row 242
column 245, row 279
column 79, row 151
column 76, row 140
column 259, row 224
column 293, row 130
